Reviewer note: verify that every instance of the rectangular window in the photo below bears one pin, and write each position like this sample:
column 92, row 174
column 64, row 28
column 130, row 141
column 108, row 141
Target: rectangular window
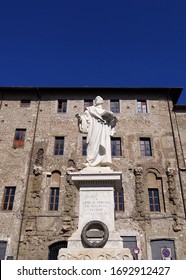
column 54, row 199
column 114, row 106
column 62, row 106
column 59, row 146
column 88, row 103
column 8, row 198
column 142, row 106
column 84, row 146
column 145, row 146
column 116, row 147
column 154, row 200
column 118, row 200
column 19, row 138
column 25, row 103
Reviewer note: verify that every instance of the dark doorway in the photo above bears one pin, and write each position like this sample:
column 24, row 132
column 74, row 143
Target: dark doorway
column 158, row 245
column 130, row 242
column 54, row 249
column 3, row 245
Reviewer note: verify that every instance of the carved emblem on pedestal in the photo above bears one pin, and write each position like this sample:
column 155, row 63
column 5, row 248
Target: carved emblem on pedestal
column 95, row 230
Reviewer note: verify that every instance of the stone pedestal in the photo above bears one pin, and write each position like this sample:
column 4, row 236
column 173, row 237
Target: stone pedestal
column 95, row 254
column 96, row 186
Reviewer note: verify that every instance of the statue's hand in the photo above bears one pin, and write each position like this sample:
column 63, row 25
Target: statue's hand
column 112, row 131
column 78, row 117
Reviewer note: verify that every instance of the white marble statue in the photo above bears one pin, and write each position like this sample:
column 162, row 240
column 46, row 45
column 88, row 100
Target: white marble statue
column 99, row 125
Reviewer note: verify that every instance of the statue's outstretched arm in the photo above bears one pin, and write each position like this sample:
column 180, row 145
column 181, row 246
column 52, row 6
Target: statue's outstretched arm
column 82, row 123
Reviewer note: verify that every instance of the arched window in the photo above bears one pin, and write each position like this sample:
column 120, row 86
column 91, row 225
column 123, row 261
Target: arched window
column 54, row 191
column 56, row 178
column 54, row 249
column 155, row 193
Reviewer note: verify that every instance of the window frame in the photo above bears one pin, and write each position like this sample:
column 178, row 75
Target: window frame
column 19, row 143
column 142, row 106
column 147, row 150
column 62, row 106
column 114, row 147
column 155, row 205
column 115, row 105
column 119, row 194
column 8, row 198
column 54, row 199
column 57, row 138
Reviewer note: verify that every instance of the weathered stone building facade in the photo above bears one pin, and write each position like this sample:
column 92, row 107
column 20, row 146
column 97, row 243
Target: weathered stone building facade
column 40, row 143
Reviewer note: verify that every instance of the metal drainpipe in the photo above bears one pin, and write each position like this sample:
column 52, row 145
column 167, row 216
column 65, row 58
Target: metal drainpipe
column 177, row 160
column 28, row 174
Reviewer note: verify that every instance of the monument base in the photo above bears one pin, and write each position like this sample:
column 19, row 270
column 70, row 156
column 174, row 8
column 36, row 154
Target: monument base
column 96, row 237
column 94, row 254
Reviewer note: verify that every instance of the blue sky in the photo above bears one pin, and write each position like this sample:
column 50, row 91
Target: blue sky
column 125, row 43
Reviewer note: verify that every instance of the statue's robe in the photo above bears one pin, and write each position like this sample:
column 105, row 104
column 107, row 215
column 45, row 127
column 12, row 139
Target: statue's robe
column 99, row 125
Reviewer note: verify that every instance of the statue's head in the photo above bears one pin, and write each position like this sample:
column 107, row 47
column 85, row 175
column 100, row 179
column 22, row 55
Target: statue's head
column 98, row 100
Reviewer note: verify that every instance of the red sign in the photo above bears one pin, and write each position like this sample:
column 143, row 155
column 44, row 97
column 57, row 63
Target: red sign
column 136, row 250
column 166, row 252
